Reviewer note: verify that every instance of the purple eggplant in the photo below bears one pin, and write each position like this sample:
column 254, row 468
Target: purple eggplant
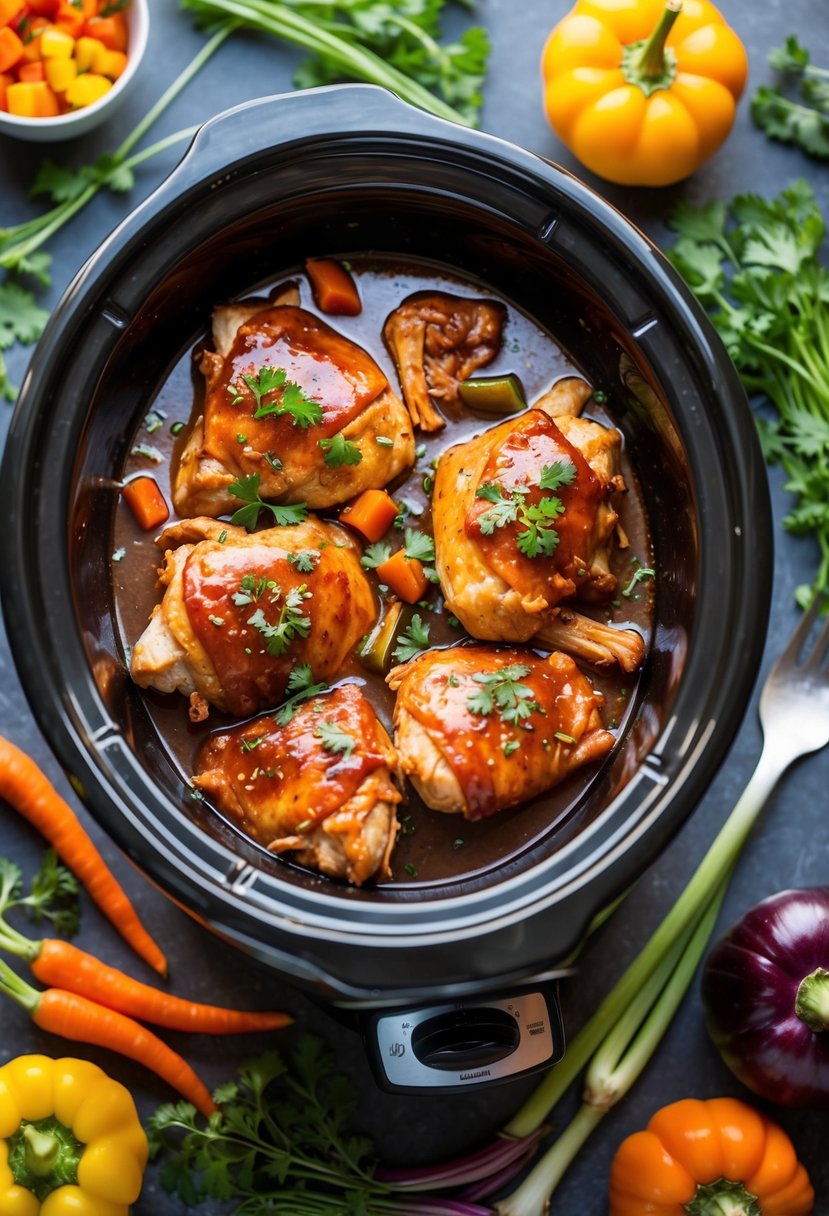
column 765, row 988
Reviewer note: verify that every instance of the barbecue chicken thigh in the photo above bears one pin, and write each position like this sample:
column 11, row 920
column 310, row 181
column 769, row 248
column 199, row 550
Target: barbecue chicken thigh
column 523, row 520
column 437, row 340
column 241, row 610
column 479, row 729
column 321, row 785
column 292, row 401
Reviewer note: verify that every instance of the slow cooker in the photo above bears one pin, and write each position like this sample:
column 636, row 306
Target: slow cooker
column 455, row 980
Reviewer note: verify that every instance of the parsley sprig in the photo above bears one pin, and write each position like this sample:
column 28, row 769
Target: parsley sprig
column 503, row 691
column 537, row 537
column 339, row 451
column 803, row 121
column 755, row 266
column 247, row 516
column 52, row 895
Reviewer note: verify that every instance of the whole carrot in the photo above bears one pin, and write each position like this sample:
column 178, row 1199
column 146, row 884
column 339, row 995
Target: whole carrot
column 59, row 964
column 29, row 791
column 82, row 1021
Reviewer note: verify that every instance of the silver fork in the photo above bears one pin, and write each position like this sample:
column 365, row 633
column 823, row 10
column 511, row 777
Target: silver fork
column 794, row 705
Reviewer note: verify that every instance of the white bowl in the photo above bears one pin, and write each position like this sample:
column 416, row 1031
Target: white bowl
column 78, row 122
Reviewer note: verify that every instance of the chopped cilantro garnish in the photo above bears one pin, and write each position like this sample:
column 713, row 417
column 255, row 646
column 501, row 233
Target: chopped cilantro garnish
column 536, row 535
column 339, row 451
column 247, row 516
column 412, row 641
column 250, row 589
column 335, row 740
column 287, row 397
column 503, row 691
column 375, row 555
column 305, row 561
column 290, row 625
column 301, row 686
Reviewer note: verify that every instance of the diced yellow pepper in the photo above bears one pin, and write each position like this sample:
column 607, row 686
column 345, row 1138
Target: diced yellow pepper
column 86, row 89
column 60, row 73
column 85, row 51
column 55, row 44
column 32, row 100
column 109, row 63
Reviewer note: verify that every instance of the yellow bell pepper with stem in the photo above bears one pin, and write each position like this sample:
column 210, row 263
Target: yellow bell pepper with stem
column 643, row 91
column 71, row 1143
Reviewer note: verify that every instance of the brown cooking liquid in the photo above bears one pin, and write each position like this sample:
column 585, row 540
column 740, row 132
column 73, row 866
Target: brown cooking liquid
column 431, row 847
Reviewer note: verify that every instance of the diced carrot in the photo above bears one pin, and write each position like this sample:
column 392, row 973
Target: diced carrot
column 30, row 72
column 32, row 99
column 112, row 31
column 9, row 10
column 371, row 514
column 87, row 89
column 86, row 49
column 404, row 575
column 56, row 44
column 6, row 79
column 334, row 289
column 109, row 63
column 60, row 73
column 146, row 502
column 11, row 48
column 70, row 19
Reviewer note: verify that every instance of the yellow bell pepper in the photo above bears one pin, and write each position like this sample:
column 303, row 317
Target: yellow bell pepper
column 643, row 91
column 71, row 1143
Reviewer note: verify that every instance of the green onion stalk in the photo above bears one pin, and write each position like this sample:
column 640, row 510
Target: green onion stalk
column 20, row 241
column 330, row 39
column 617, row 1042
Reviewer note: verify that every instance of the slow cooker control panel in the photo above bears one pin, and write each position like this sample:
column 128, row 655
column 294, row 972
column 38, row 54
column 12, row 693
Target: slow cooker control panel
column 456, row 1044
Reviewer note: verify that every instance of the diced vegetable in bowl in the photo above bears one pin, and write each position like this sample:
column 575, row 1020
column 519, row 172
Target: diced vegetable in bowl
column 64, row 67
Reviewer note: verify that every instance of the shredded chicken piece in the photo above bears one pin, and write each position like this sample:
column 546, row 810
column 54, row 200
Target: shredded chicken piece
column 437, row 340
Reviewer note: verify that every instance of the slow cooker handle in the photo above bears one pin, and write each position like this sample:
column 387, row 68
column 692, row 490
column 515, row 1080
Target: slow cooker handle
column 231, row 138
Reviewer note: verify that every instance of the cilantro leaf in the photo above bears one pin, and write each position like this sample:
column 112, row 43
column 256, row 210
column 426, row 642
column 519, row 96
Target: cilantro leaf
column 504, row 510
column 247, row 489
column 286, row 396
column 503, row 691
column 419, row 545
column 305, row 561
column 339, row 451
column 412, row 640
column 291, row 623
column 375, row 555
column 554, row 476
column 803, row 119
column 301, row 686
column 21, row 319
column 334, row 739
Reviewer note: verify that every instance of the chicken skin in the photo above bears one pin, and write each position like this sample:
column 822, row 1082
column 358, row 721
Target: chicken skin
column 523, row 520
column 478, row 729
column 320, row 785
column 289, row 399
column 240, row 610
column 437, row 340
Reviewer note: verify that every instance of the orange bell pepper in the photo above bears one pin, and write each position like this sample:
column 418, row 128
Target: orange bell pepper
column 698, row 1156
column 642, row 92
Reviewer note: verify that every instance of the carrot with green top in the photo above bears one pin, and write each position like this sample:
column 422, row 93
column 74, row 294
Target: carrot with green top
column 29, row 791
column 80, row 1020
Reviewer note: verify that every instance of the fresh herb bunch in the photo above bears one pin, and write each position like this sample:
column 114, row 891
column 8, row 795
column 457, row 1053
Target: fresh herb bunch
column 804, row 122
column 281, row 1144
column 755, row 266
column 52, row 894
column 394, row 45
